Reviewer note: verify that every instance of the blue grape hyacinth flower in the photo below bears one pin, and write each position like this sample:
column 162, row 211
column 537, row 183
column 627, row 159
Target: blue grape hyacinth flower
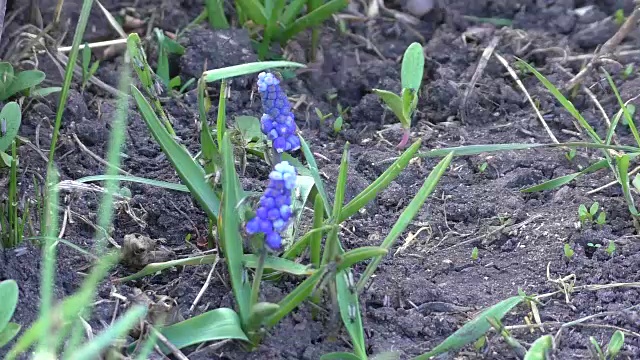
column 277, row 122
column 274, row 210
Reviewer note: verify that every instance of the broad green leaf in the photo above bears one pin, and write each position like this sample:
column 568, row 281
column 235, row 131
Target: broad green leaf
column 190, row 172
column 613, row 348
column 315, row 173
column 9, row 296
column 249, row 127
column 231, row 239
column 25, row 80
column 474, row 329
column 296, row 297
column 218, row 324
column 278, row 264
column 562, row 180
column 135, row 179
column 45, row 91
column 6, row 78
column 12, row 116
column 371, row 191
column 355, row 256
column 315, row 17
column 175, row 82
column 539, row 348
column 394, row 102
column 412, row 67
column 246, row 69
column 93, row 348
column 8, row 333
column 350, row 312
column 156, row 267
column 407, row 216
column 339, row 356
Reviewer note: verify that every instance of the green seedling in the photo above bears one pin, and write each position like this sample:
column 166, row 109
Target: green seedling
column 587, row 217
column 612, row 350
column 12, row 83
column 474, row 254
column 594, row 246
column 611, row 248
column 483, row 167
column 322, row 117
column 166, row 48
column 88, row 68
column 568, row 252
column 570, row 155
column 404, row 105
column 628, row 71
column 619, row 17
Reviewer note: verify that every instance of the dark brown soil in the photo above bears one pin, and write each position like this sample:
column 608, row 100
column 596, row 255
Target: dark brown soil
column 431, row 288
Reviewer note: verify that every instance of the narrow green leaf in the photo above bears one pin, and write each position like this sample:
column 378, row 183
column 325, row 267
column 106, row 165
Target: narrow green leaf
column 190, row 172
column 350, row 312
column 215, row 14
column 562, row 180
column 479, row 149
column 218, row 324
column 539, row 348
column 394, row 102
column 355, row 256
column 339, row 356
column 221, row 120
column 8, row 333
column 315, row 173
column 623, row 173
column 93, row 348
column 613, row 348
column 316, row 17
column 412, row 67
column 315, row 244
column 407, row 215
column 273, row 11
column 231, row 239
column 292, row 11
column 135, row 179
column 246, row 69
column 474, row 329
column 623, row 107
column 210, row 153
column 295, row 298
column 371, row 191
column 12, row 116
column 9, row 296
column 254, row 10
column 93, row 68
column 153, row 268
column 86, row 60
column 278, row 264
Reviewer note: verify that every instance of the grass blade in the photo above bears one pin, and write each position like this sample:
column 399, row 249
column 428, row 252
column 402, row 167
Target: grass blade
column 218, row 324
column 135, row 179
column 93, row 349
column 474, row 329
column 274, row 11
column 68, row 74
column 246, row 69
column 315, row 243
column 350, row 312
column 625, row 111
column 623, row 173
column 153, row 268
column 254, row 10
column 215, row 14
column 316, row 17
column 479, row 149
column 210, row 153
column 278, row 264
column 362, row 253
column 315, row 173
column 190, row 172
column 562, row 180
column 407, row 216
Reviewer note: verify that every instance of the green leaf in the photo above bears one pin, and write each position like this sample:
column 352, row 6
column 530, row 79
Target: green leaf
column 94, row 348
column 94, row 68
column 304, row 185
column 135, row 179
column 210, row 153
column 625, row 110
column 337, row 124
column 254, row 11
column 153, row 268
column 315, row 173
column 246, row 69
column 259, row 312
column 86, row 60
column 409, row 100
column 175, row 82
column 412, row 67
column 139, row 60
column 42, row 92
column 594, row 208
column 292, row 11
column 296, row 297
column 407, row 215
column 12, row 116
column 315, row 242
column 315, row 17
column 9, row 296
column 8, row 333
column 190, row 172
column 613, row 348
column 25, row 80
column 350, row 312
column 278, row 264
column 474, row 329
column 479, row 149
column 215, row 14
column 539, row 348
column 394, row 102
column 387, row 355
column 273, row 8
column 232, row 242
column 355, row 256
column 249, row 127
column 6, row 78
column 218, row 324
column 562, row 180
column 339, row 356
column 623, row 174
column 371, row 191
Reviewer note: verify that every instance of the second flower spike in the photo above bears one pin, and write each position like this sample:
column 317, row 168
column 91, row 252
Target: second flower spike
column 277, row 122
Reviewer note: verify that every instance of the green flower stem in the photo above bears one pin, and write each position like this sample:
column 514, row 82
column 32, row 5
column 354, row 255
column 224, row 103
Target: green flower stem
column 257, row 278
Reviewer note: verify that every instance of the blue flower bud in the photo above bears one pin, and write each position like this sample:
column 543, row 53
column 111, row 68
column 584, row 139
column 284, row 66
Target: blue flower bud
column 277, row 123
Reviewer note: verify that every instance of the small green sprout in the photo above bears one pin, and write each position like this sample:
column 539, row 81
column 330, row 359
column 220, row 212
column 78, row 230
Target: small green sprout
column 619, row 17
column 571, row 154
column 568, row 251
column 592, row 245
column 404, row 105
column 611, row 248
column 322, row 117
column 167, row 47
column 12, row 83
column 612, row 350
column 483, row 167
column 628, row 71
column 88, row 69
column 474, row 254
column 337, row 124
column 588, row 216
